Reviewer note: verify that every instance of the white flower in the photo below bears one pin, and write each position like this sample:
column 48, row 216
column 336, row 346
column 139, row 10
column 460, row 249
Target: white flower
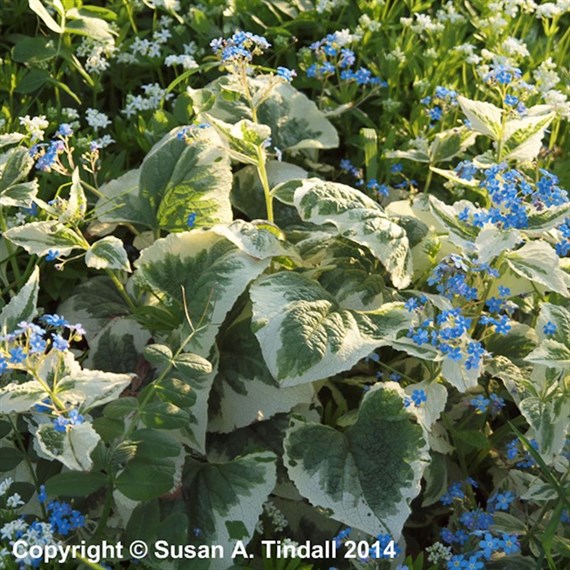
column 161, row 36
column 396, row 55
column 97, row 54
column 186, row 61
column 468, row 50
column 96, row 120
column 70, row 113
column 545, row 76
column 559, row 102
column 103, row 141
column 343, row 38
column 514, row 47
column 424, row 23
column 35, row 126
column 5, row 485
column 548, row 10
column 154, row 94
column 14, row 501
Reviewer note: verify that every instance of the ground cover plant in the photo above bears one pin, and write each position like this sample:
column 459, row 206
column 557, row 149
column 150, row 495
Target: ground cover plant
column 283, row 274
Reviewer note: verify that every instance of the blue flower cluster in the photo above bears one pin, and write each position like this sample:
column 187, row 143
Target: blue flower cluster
column 47, row 155
column 240, row 47
column 473, row 539
column 63, row 518
column 30, row 341
column 493, row 404
column 513, row 449
column 442, row 100
column 373, row 185
column 502, row 74
column 452, row 276
column 61, row 423
column 514, row 198
column 449, row 333
column 417, row 399
column 335, row 59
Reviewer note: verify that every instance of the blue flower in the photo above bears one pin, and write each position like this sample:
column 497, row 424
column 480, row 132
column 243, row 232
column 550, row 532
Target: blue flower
column 191, row 220
column 549, row 328
column 489, row 545
column 510, row 544
column 54, row 320
column 42, row 495
column 504, row 291
column 17, row 355
column 52, row 254
column 411, row 304
column 64, row 130
column 286, row 74
column 480, row 403
column 419, row 397
column 511, row 100
column 473, row 563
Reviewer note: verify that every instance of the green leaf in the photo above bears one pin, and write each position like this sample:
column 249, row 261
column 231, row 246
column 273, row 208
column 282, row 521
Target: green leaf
column 523, row 136
column 118, row 346
column 39, row 237
column 94, row 304
column 454, row 177
column 19, row 195
column 247, row 193
column 154, row 468
column 164, row 415
column 485, row 118
column 258, row 239
column 244, row 390
column 538, row 262
column 197, row 374
column 551, row 353
column 225, row 499
column 72, row 448
column 351, row 273
column 305, row 335
column 243, row 137
column 32, row 80
column 180, row 178
column 210, row 270
column 412, row 154
column 492, row 241
column 17, row 167
column 90, row 388
column 10, row 458
column 8, row 139
column 44, row 15
column 18, row 398
column 547, row 218
column 458, row 376
column 450, row 143
column 367, row 475
column 448, row 216
column 22, row 307
column 295, row 121
column 108, row 253
column 77, row 203
column 358, row 219
column 549, row 419
column 83, row 22
column 34, row 50
column 558, row 316
column 74, row 484
column 176, row 179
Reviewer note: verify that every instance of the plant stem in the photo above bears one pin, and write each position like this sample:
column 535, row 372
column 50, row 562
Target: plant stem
column 121, row 288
